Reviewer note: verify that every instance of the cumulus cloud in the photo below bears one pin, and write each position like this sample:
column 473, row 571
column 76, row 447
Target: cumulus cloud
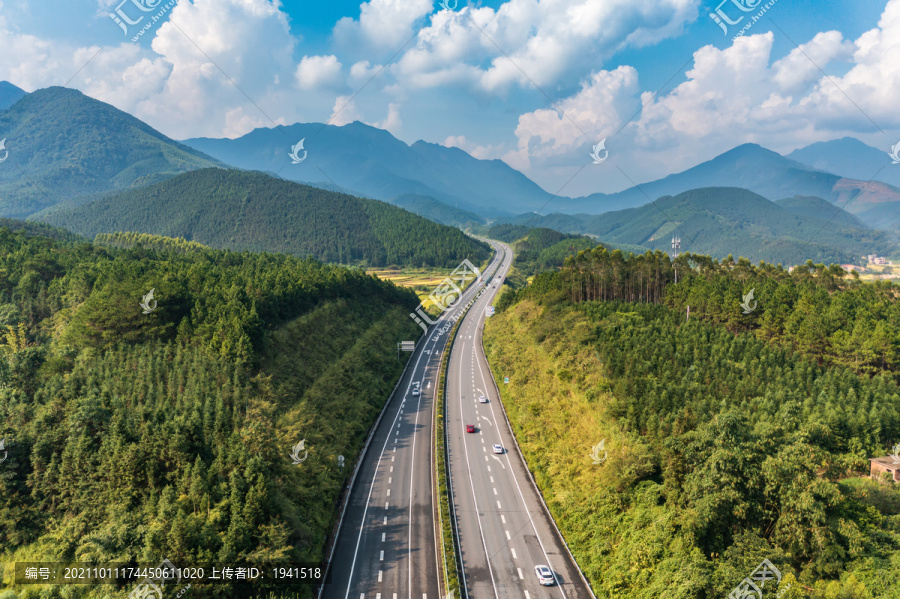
column 525, row 42
column 318, row 72
column 482, row 152
column 382, row 24
column 730, row 96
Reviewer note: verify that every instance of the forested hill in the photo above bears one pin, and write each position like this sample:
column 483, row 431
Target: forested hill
column 135, row 433
column 242, row 210
column 694, row 449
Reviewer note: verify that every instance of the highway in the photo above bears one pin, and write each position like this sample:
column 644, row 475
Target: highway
column 386, row 547
column 504, row 529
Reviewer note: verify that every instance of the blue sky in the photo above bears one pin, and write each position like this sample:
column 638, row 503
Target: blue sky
column 534, row 83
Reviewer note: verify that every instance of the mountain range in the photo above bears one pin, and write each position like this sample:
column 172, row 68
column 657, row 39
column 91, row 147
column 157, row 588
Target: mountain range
column 371, row 162
column 67, row 150
column 727, row 220
column 64, row 146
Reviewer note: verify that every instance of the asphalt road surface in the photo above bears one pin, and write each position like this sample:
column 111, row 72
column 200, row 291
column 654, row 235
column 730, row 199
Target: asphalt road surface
column 386, row 547
column 504, row 529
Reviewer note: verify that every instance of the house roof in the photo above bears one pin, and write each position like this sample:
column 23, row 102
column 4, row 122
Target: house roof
column 886, row 461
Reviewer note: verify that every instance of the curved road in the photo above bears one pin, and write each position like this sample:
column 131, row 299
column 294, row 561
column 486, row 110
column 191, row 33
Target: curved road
column 504, row 529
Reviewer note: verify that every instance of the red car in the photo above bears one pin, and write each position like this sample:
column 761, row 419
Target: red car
column 470, row 428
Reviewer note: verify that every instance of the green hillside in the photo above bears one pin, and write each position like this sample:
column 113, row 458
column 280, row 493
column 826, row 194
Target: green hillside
column 437, row 211
column 817, row 208
column 675, row 456
column 132, row 435
column 718, row 221
column 253, row 211
column 537, row 249
column 63, row 144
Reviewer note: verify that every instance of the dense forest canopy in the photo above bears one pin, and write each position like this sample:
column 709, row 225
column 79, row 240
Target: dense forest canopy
column 731, row 438
column 240, row 210
column 138, row 436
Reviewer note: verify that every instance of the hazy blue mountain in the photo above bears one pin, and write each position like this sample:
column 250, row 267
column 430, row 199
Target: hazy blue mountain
column 751, row 167
column 374, row 163
column 722, row 221
column 244, row 210
column 64, row 145
column 851, row 158
column 9, row 94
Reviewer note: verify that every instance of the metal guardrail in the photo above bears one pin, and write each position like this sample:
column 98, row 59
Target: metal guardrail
column 345, row 497
column 531, row 476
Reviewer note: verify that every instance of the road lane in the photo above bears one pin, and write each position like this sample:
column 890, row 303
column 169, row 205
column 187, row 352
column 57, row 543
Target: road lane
column 386, row 545
column 504, row 529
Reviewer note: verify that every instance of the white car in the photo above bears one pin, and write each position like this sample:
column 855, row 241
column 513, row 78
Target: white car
column 498, row 448
column 482, row 399
column 415, row 392
column 545, row 576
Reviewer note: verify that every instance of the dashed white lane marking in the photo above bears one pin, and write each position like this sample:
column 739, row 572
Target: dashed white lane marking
column 381, row 559
column 489, row 468
column 492, row 478
column 392, row 458
column 502, row 518
column 484, row 448
column 383, row 534
column 521, row 576
column 495, row 491
column 513, row 552
column 389, row 493
column 498, row 506
column 385, row 505
column 485, row 458
column 385, row 520
column 395, row 449
column 527, row 596
column 392, row 468
column 508, row 538
column 389, row 479
column 379, row 576
column 362, row 596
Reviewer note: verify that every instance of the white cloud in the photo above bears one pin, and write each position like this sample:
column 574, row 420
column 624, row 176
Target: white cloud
column 526, row 42
column 382, row 24
column 344, row 112
column 482, row 152
column 318, row 72
column 392, row 121
column 799, row 69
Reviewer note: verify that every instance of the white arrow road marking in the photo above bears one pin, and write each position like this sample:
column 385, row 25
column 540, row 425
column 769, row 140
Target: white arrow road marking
column 499, row 460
